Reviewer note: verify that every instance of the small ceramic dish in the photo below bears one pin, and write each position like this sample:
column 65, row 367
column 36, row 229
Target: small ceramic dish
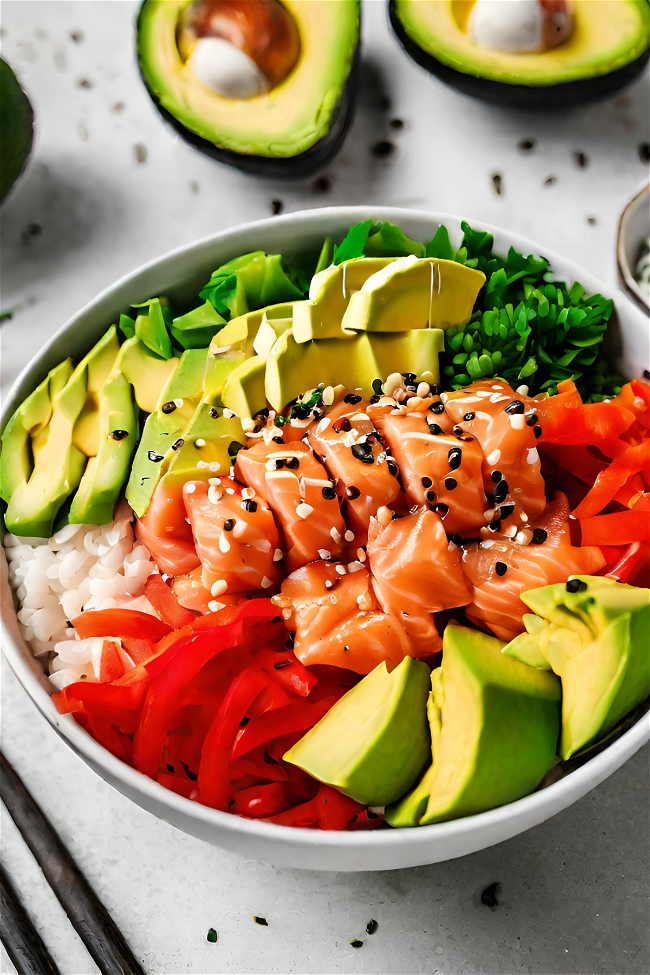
column 181, row 274
column 633, row 230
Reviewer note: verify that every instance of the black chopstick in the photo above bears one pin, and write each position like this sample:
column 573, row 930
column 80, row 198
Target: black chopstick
column 87, row 914
column 19, row 936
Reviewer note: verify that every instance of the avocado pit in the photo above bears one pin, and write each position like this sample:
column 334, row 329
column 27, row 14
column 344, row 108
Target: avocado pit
column 238, row 48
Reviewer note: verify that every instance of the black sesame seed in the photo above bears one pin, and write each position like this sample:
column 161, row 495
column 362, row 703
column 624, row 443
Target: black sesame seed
column 506, row 510
column 363, row 452
column 451, row 483
column 278, row 440
column 375, row 399
column 575, row 585
column 458, row 431
column 408, row 376
column 539, row 536
column 229, row 524
column 356, row 943
column 377, row 386
column 372, row 925
column 435, row 389
column 431, row 497
column 500, row 568
column 121, row 435
column 154, row 457
column 292, row 463
column 279, row 464
column 532, row 420
column 437, row 407
column 468, row 417
column 177, row 444
column 537, row 431
column 170, row 768
column 454, row 457
column 291, row 639
column 426, row 482
column 352, row 492
column 214, row 413
column 495, row 526
column 249, row 505
column 442, row 510
column 168, row 407
column 352, row 398
column 260, row 920
column 434, row 429
column 234, row 447
column 501, row 492
column 515, row 406
column 346, row 647
column 456, row 538
column 496, row 476
column 489, row 895
column 281, row 664
column 329, row 493
column 345, row 424
column 392, row 466
column 372, row 815
column 192, row 776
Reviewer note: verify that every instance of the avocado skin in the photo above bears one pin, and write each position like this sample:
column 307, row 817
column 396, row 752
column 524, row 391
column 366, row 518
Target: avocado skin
column 527, row 97
column 295, row 167
column 17, row 132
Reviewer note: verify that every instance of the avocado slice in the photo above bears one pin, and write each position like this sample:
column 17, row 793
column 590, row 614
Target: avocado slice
column 196, row 329
column 292, row 128
column 29, row 421
column 293, row 368
column 146, row 371
column 373, row 743
column 494, row 731
column 101, row 484
column 609, row 47
column 593, row 633
column 415, row 292
column 17, row 131
column 99, row 364
column 243, row 390
column 209, row 446
column 329, row 294
column 165, row 427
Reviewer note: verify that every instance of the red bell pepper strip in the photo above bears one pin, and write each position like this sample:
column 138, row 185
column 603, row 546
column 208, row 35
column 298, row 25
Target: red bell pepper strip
column 610, row 480
column 260, row 801
column 110, row 663
column 262, row 609
column 107, row 735
column 176, row 783
column 120, row 622
column 117, row 703
column 214, row 788
column 137, row 649
column 621, row 527
column 631, row 563
column 254, row 763
column 286, row 669
column 166, row 603
column 328, row 809
column 298, row 716
column 564, row 420
column 272, row 697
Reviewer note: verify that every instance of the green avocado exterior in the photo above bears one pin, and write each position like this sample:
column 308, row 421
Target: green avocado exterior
column 288, row 131
column 596, row 641
column 16, row 131
column 146, row 371
column 372, row 744
column 494, row 731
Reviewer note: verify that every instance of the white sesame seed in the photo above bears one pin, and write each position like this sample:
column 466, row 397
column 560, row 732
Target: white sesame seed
column 277, row 555
column 532, row 456
column 341, row 570
column 178, row 402
column 517, row 420
column 488, row 543
column 443, row 397
column 247, row 424
column 324, row 553
column 266, row 582
column 190, row 488
column 247, row 494
column 200, row 442
column 325, row 422
column 494, row 457
column 201, row 464
column 270, row 465
column 392, row 384
column 361, row 555
column 218, row 587
column 328, row 583
column 328, row 396
column 387, row 401
column 304, row 510
column 522, row 390
column 230, row 490
column 336, row 535
column 413, row 401
column 214, row 606
column 228, row 413
column 355, row 566
column 214, row 494
column 214, row 466
column 384, row 515
column 511, row 532
column 639, row 404
column 349, row 536
column 423, row 390
column 224, row 544
column 286, row 614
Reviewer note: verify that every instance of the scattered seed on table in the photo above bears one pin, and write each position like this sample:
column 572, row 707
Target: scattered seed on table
column 260, row 920
column 592, row 221
column 212, row 936
column 140, row 151
column 356, row 943
column 497, row 180
column 644, row 151
column 550, row 180
column 526, row 145
column 396, row 123
column 382, row 149
column 322, row 184
column 371, row 926
column 581, row 159
column 277, row 207
column 489, row 895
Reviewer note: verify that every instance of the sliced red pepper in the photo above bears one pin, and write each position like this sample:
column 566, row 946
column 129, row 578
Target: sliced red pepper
column 176, row 783
column 116, row 703
column 631, row 563
column 621, row 527
column 565, row 420
column 120, row 622
column 107, row 735
column 260, row 801
column 328, row 809
column 137, row 649
column 214, row 788
column 110, row 663
column 255, row 763
column 298, row 716
column 166, row 604
column 272, row 697
column 286, row 669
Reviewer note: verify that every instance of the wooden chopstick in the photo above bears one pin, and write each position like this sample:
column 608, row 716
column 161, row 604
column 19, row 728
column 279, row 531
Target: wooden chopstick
column 90, row 919
column 19, row 936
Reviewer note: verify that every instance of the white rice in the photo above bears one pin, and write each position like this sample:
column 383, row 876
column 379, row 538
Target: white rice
column 81, row 567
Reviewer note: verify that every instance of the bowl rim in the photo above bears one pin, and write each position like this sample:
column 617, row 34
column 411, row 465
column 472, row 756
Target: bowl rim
column 576, row 783
column 625, row 272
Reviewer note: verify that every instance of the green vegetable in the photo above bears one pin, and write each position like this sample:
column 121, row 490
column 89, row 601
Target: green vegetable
column 249, row 282
column 387, row 240
column 354, row 243
column 152, row 327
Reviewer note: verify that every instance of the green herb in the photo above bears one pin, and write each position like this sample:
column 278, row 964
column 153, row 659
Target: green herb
column 212, row 936
column 353, row 244
column 248, row 282
column 281, row 421
column 387, row 240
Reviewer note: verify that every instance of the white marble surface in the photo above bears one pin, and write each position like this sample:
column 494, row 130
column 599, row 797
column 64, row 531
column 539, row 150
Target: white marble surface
column 574, row 891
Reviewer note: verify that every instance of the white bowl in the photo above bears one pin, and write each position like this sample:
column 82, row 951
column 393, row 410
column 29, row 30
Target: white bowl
column 633, row 229
column 181, row 274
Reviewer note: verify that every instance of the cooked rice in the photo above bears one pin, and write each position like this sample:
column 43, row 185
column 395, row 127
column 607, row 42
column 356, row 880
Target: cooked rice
column 81, row 567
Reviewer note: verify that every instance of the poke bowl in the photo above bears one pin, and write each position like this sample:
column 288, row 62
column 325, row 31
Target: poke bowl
column 303, row 733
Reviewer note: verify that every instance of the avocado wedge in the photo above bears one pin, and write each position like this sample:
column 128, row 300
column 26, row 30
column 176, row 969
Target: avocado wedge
column 270, row 90
column 607, row 49
column 494, row 731
column 372, row 744
column 593, row 633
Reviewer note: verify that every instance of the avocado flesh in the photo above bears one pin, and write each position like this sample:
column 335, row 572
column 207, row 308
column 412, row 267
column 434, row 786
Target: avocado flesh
column 293, row 368
column 414, row 293
column 17, row 130
column 212, row 458
column 101, row 484
column 100, row 362
column 601, row 43
column 147, row 372
column 372, row 744
column 285, row 122
column 243, row 390
column 29, row 421
column 162, row 429
column 602, row 659
column 329, row 294
column 494, row 731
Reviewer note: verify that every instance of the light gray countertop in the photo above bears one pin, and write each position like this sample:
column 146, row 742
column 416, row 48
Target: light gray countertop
column 574, row 892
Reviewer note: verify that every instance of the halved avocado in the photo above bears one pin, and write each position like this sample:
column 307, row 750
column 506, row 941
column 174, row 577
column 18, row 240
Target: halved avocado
column 16, row 131
column 291, row 129
column 608, row 48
